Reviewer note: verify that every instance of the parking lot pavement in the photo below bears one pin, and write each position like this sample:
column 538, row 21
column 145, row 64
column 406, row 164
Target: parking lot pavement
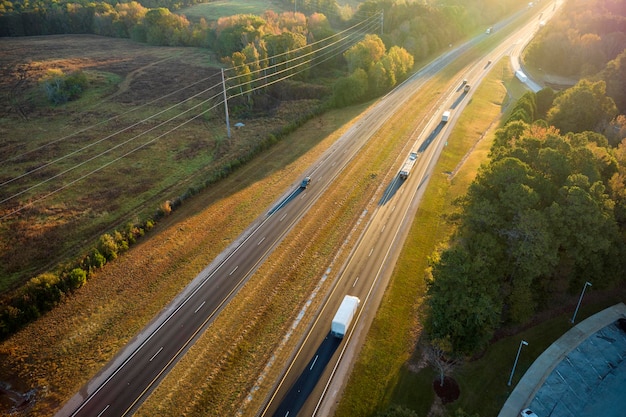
column 579, row 372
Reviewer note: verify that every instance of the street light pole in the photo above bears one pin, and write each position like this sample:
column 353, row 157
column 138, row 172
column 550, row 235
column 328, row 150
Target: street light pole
column 522, row 343
column 580, row 299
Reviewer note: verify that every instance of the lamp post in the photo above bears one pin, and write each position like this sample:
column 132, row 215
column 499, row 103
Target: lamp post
column 580, row 299
column 522, row 343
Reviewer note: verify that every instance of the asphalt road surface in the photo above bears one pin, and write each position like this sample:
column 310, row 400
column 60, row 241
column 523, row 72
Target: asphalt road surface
column 137, row 369
column 307, row 387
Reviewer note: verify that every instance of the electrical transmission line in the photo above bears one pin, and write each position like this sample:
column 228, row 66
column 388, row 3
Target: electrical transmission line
column 329, row 48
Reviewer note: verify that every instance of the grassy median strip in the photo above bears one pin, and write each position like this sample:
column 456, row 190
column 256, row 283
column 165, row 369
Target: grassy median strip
column 221, row 373
column 380, row 376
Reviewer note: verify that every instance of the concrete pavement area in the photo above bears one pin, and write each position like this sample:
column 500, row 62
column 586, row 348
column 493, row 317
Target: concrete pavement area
column 582, row 374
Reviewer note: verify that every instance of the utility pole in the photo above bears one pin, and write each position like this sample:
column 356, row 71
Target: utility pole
column 226, row 104
column 382, row 21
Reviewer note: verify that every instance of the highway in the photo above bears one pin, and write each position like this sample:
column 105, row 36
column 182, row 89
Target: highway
column 313, row 381
column 136, row 370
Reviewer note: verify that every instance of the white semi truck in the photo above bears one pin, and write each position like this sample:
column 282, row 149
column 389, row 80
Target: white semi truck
column 408, row 166
column 343, row 317
column 445, row 116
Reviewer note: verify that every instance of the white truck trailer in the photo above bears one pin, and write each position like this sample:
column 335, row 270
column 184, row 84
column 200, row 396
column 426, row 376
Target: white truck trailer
column 445, row 116
column 344, row 316
column 408, row 166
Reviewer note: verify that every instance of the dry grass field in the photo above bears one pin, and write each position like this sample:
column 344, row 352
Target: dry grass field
column 70, row 173
column 51, row 359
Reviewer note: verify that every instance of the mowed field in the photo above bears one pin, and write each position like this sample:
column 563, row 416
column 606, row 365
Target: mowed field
column 147, row 128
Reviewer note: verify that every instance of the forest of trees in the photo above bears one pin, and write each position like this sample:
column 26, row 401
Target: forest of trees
column 580, row 41
column 547, row 212
column 544, row 215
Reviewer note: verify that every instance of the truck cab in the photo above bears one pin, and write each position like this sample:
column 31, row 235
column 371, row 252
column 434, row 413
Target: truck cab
column 305, row 182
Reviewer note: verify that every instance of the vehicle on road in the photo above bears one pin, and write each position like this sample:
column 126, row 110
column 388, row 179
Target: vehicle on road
column 305, row 182
column 408, row 165
column 343, row 317
column 521, row 76
column 527, row 412
column 466, row 88
column 445, row 116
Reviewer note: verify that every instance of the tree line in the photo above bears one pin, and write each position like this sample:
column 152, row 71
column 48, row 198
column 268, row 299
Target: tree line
column 544, row 215
column 580, row 40
column 245, row 42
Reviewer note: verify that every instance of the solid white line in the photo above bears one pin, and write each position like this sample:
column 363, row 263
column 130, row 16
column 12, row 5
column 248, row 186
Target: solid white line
column 199, row 307
column 105, row 408
column 261, row 241
column 154, row 356
column 314, row 360
column 233, row 271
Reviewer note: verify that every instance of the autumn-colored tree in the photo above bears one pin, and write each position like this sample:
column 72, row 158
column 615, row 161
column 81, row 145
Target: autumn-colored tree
column 547, row 213
column 365, row 53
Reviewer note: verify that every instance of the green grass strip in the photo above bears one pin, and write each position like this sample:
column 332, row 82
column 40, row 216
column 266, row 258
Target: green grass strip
column 380, row 376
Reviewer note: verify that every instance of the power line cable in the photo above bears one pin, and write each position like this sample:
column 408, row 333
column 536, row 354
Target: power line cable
column 100, row 168
column 330, row 52
column 104, row 138
column 105, row 121
column 103, row 153
column 264, row 80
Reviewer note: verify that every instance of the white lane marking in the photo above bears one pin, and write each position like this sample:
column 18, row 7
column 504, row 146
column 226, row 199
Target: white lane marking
column 314, row 360
column 370, row 254
column 393, row 208
column 283, row 217
column 199, row 307
column 154, row 356
column 233, row 271
column 105, row 408
column 355, row 281
column 383, row 229
column 261, row 241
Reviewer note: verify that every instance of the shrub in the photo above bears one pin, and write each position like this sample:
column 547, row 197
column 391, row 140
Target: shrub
column 76, row 278
column 61, row 88
column 108, row 247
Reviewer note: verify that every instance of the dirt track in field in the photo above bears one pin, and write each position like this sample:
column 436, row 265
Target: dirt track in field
column 147, row 71
column 123, row 76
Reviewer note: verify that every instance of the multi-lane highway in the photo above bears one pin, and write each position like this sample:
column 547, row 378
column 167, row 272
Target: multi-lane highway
column 129, row 378
column 136, row 370
column 308, row 386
